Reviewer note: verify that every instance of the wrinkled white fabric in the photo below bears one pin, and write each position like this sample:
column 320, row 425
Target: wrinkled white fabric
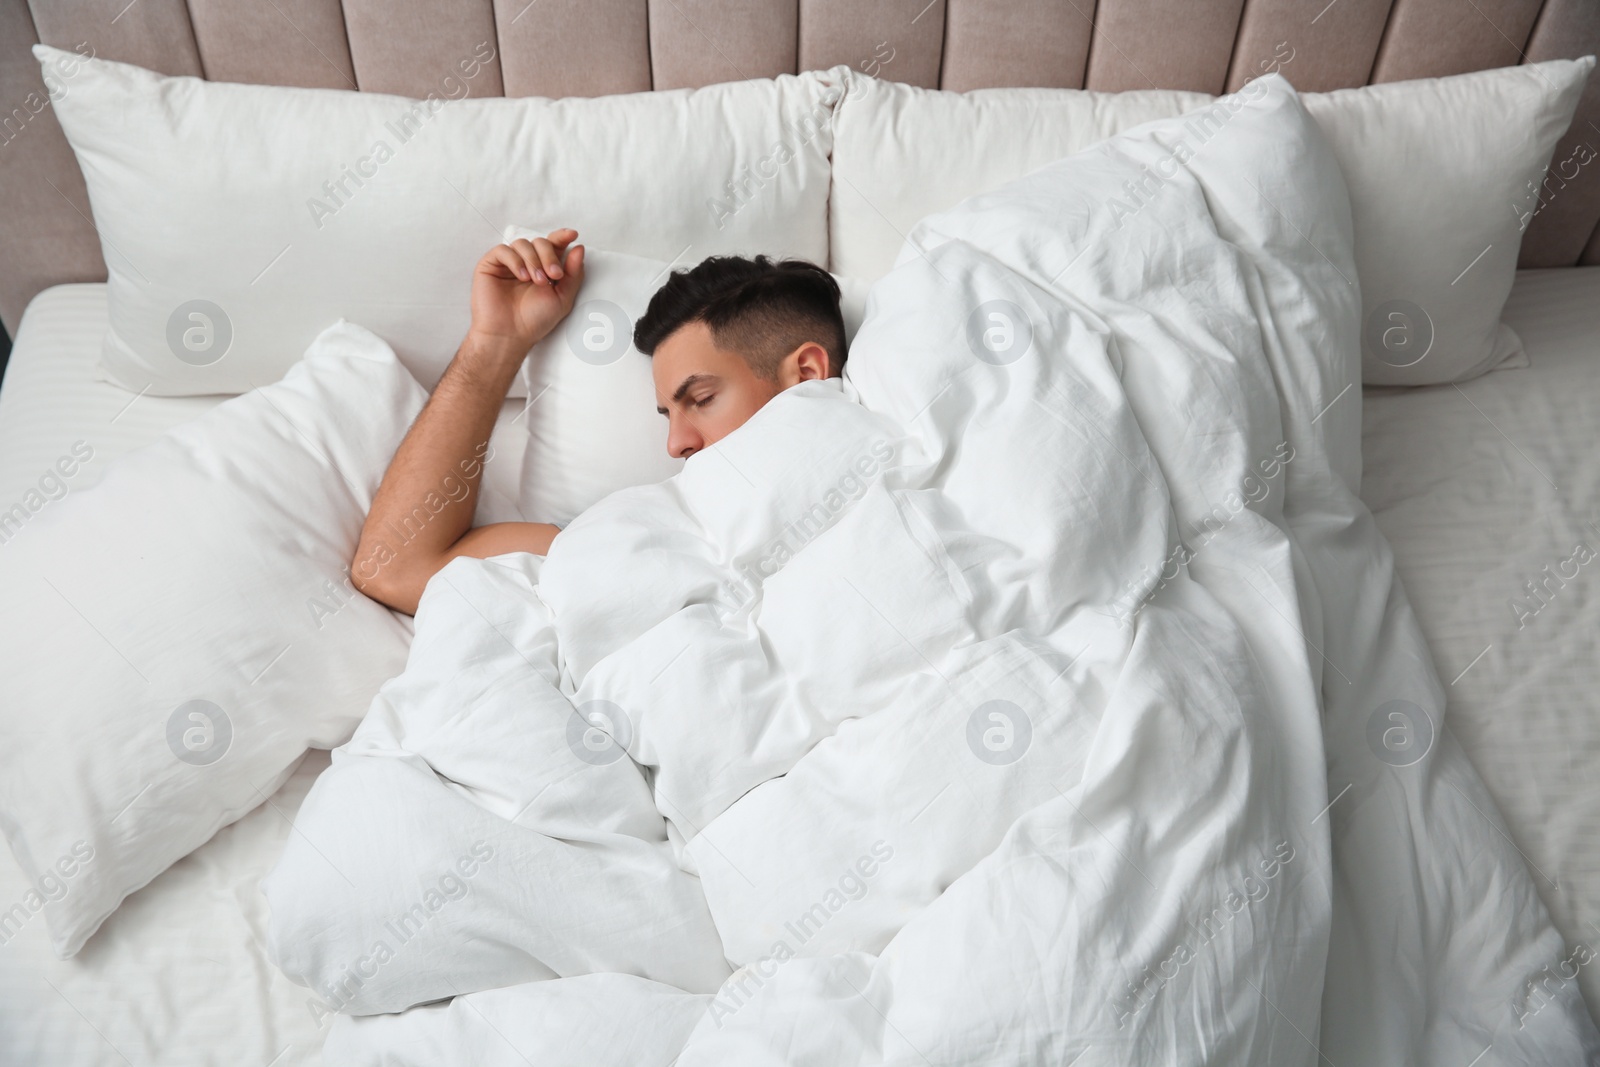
column 984, row 707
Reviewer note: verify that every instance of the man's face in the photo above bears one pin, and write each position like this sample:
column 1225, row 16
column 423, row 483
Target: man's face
column 707, row 392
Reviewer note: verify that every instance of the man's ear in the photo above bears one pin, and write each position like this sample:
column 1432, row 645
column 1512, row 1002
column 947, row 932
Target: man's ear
column 806, row 363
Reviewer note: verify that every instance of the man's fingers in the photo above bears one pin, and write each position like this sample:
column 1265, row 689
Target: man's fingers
column 574, row 271
column 509, row 263
column 549, row 257
column 531, row 259
column 541, row 260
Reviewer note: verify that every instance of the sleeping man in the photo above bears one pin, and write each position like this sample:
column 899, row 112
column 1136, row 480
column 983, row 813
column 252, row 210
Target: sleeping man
column 724, row 337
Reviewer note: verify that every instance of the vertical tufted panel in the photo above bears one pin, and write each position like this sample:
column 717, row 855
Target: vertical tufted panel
column 411, row 47
column 285, row 42
column 1433, row 38
column 1571, row 193
column 1162, row 44
column 1328, row 45
column 1028, row 42
column 573, row 47
column 149, row 33
column 900, row 40
column 45, row 233
column 698, row 42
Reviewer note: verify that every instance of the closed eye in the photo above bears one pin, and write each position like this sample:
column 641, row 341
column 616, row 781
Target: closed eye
column 693, row 381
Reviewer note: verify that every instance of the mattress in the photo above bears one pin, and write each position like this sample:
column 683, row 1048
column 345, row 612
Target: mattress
column 1490, row 494
column 1479, row 487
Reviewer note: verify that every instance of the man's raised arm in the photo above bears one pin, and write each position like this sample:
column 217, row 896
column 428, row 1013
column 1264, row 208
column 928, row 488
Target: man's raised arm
column 520, row 292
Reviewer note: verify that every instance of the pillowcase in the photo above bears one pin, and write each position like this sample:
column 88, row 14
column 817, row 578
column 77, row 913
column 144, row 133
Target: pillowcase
column 239, row 220
column 902, row 153
column 1435, row 170
column 592, row 421
column 191, row 629
column 591, row 414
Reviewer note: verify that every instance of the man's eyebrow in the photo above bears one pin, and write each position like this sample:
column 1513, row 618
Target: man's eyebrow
column 689, row 383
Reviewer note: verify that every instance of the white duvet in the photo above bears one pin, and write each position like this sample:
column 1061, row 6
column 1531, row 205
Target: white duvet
column 1041, row 693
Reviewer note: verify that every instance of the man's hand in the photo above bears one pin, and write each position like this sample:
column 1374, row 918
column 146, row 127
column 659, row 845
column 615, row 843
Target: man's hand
column 522, row 291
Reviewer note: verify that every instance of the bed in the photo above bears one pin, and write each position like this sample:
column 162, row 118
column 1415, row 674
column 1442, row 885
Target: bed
column 1480, row 487
column 1454, row 496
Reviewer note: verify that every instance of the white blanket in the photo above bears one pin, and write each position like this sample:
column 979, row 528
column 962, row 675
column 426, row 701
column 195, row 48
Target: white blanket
column 1040, row 693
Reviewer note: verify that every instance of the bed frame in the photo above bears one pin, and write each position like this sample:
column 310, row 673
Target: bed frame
column 592, row 47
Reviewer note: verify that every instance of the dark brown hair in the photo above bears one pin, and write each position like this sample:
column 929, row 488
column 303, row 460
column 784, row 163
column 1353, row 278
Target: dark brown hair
column 759, row 308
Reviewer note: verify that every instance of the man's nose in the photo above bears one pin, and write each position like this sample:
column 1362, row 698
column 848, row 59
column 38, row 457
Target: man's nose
column 683, row 440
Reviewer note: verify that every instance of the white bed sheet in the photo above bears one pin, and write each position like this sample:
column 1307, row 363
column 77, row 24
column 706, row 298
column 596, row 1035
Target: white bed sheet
column 1478, row 487
column 177, row 976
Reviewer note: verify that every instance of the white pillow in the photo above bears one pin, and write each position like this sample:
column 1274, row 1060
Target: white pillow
column 1435, row 169
column 239, row 220
column 592, row 421
column 901, row 153
column 190, row 629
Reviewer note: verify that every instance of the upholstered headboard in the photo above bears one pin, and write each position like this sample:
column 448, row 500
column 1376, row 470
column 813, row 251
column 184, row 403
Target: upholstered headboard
column 591, row 47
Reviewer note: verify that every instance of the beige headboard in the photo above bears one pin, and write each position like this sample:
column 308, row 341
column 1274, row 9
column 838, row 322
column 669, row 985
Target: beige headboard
column 590, row 47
